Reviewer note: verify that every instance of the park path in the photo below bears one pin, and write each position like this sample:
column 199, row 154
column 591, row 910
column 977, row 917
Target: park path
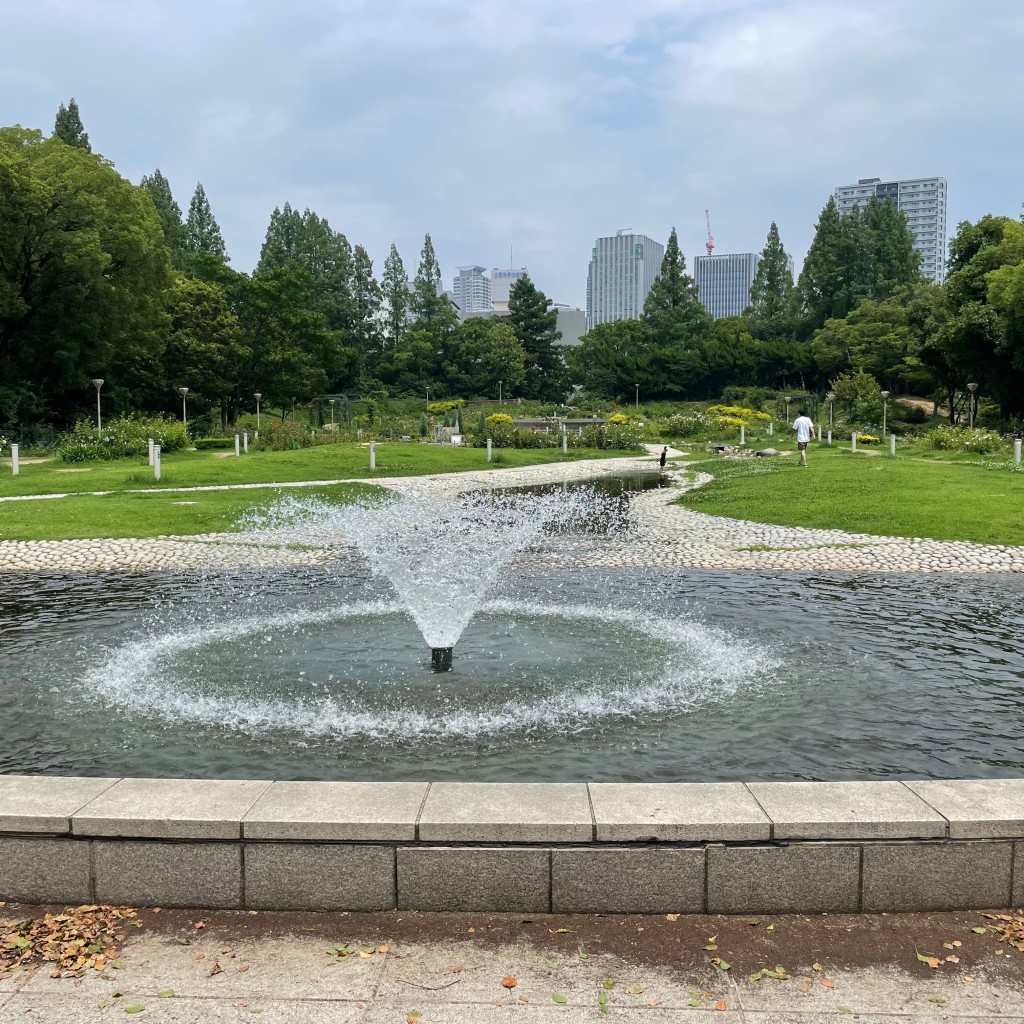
column 662, row 535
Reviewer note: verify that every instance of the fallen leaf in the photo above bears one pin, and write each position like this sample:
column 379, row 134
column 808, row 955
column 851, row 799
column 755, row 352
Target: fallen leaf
column 953, row 959
column 551, row 965
column 557, row 997
column 471, row 930
column 156, row 910
column 198, row 924
column 383, row 949
column 216, row 969
column 359, row 1006
column 412, row 1016
column 936, row 999
column 815, row 967
column 968, row 980
column 523, row 999
column 134, row 1008
column 165, row 993
column 457, row 969
column 671, row 917
column 654, row 1002
column 805, row 987
column 499, row 1002
column 640, row 928
column 720, row 963
column 225, row 950
column 609, row 983
column 635, row 990
column 711, row 946
column 509, row 982
column 770, row 928
column 947, row 945
column 980, row 931
column 693, row 1002
column 828, row 983
column 957, row 943
column 561, row 931
column 721, row 1005
column 243, row 968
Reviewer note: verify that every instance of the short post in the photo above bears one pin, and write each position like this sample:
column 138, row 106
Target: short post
column 245, row 442
column 565, row 443
column 830, row 437
column 489, row 449
column 769, row 428
column 373, row 455
column 892, row 444
column 238, row 451
column 743, row 434
column 853, row 442
column 151, row 446
column 15, row 468
column 359, row 433
column 1016, row 452
column 820, row 434
column 156, row 462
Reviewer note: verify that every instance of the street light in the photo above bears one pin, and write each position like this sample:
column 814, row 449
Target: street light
column 97, row 383
column 332, row 401
column 830, row 398
column 973, row 401
column 788, row 399
column 885, row 407
column 637, row 396
column 499, row 392
column 184, row 417
column 257, row 395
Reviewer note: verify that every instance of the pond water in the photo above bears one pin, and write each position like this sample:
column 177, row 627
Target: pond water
column 633, row 675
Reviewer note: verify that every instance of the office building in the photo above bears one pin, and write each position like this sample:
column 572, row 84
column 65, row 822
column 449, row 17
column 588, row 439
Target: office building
column 622, row 269
column 572, row 323
column 723, row 282
column 471, row 290
column 501, row 285
column 923, row 200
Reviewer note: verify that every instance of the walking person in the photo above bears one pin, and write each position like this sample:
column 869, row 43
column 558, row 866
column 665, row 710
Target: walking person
column 663, row 459
column 804, row 435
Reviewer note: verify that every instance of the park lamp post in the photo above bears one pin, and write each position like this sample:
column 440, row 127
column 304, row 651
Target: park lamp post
column 97, row 383
column 885, row 409
column 972, row 402
column 332, row 401
column 830, row 398
column 257, row 395
column 184, row 410
column 637, row 386
column 499, row 392
column 788, row 399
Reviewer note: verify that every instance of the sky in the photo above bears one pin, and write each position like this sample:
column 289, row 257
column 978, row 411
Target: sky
column 531, row 127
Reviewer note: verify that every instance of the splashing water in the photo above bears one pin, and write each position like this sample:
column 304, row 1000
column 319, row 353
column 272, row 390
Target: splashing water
column 441, row 555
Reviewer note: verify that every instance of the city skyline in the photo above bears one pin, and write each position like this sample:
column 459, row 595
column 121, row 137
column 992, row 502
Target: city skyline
column 572, row 119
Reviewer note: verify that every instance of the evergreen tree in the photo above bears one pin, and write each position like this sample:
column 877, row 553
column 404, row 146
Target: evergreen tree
column 536, row 328
column 430, row 305
column 673, row 312
column 68, row 127
column 202, row 233
column 280, row 246
column 770, row 314
column 169, row 212
column 366, row 296
column 891, row 255
column 395, row 290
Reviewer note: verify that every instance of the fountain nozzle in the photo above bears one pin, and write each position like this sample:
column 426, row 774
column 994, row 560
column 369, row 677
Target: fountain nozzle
column 441, row 659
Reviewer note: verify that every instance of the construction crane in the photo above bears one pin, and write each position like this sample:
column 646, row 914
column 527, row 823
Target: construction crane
column 711, row 240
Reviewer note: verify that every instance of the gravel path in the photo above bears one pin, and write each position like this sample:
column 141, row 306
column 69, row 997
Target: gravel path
column 663, row 535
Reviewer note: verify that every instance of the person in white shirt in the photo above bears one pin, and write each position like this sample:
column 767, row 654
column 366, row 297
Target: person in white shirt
column 804, row 435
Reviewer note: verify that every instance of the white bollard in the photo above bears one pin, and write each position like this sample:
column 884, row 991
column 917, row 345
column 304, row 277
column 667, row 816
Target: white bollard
column 830, row 438
column 373, row 455
column 245, row 442
column 820, row 434
column 892, row 445
column 769, row 428
column 853, row 442
column 156, row 462
column 15, row 468
column 359, row 434
column 1016, row 452
column 488, row 449
column 238, row 451
column 743, row 434
column 565, row 443
column 151, row 443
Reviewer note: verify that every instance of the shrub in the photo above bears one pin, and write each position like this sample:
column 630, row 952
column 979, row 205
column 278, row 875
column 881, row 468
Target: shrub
column 962, row 439
column 206, row 443
column 280, row 435
column 693, row 424
column 868, row 439
column 438, row 408
column 122, row 438
column 734, row 415
column 617, row 418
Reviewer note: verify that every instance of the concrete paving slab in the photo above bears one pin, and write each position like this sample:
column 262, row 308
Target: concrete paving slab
column 475, row 1014
column 494, row 812
column 45, row 803
column 976, row 808
column 169, row 809
column 677, row 812
column 44, row 869
column 847, row 810
column 336, row 811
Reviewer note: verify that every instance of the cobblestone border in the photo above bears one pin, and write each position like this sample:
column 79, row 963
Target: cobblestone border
column 772, row 847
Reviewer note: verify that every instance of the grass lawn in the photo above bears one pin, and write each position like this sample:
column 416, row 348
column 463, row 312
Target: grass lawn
column 83, row 517
column 904, row 497
column 328, row 462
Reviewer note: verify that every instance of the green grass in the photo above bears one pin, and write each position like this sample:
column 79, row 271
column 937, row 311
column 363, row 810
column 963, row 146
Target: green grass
column 328, row 462
column 84, row 517
column 903, row 497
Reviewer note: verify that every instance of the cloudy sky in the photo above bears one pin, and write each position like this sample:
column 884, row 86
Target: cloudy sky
column 532, row 124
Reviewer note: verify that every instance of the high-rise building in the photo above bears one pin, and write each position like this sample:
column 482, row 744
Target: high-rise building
column 723, row 282
column 471, row 290
column 923, row 200
column 622, row 269
column 501, row 285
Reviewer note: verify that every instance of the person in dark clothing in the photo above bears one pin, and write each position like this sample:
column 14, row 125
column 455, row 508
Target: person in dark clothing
column 664, row 458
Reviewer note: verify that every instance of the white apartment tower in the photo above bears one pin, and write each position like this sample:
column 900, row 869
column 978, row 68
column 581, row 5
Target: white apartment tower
column 471, row 290
column 501, row 285
column 723, row 282
column 923, row 200
column 623, row 267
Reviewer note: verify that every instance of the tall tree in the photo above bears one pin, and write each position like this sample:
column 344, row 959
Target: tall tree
column 202, row 233
column 673, row 312
column 430, row 305
column 395, row 292
column 770, row 314
column 68, row 127
column 832, row 280
column 366, row 296
column 893, row 261
column 536, row 328
column 169, row 212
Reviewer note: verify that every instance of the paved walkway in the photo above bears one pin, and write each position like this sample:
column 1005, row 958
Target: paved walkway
column 665, row 535
column 409, row 968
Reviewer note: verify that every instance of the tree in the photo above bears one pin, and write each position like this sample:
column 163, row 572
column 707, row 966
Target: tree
column 535, row 325
column 893, row 262
column 202, row 233
column 169, row 212
column 366, row 297
column 770, row 314
column 68, row 127
column 673, row 312
column 83, row 272
column 431, row 308
column 832, row 280
column 395, row 293
column 486, row 351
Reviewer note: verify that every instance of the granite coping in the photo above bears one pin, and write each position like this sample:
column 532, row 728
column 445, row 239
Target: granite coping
column 336, row 811
column 515, row 812
column 45, row 803
column 976, row 808
column 677, row 812
column 169, row 809
column 847, row 810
